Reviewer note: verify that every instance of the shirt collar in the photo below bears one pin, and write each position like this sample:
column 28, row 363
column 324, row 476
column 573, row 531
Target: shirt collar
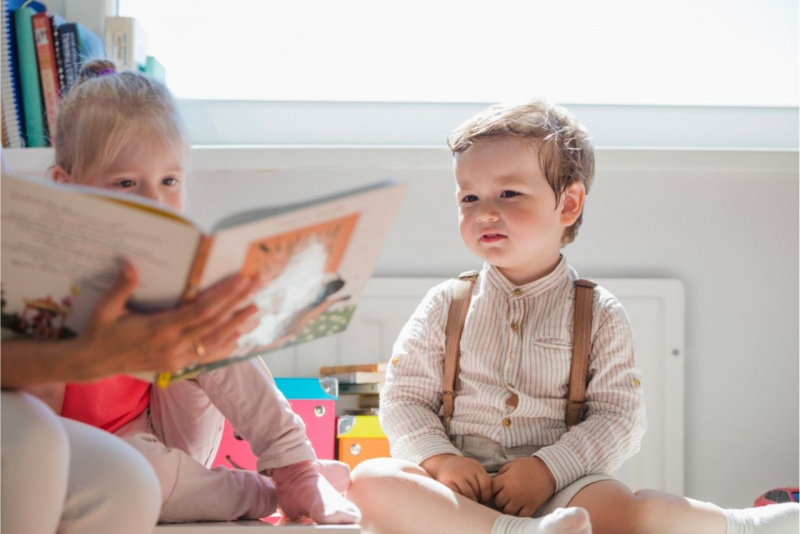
column 557, row 276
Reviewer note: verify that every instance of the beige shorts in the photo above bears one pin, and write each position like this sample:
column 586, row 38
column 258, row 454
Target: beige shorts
column 493, row 456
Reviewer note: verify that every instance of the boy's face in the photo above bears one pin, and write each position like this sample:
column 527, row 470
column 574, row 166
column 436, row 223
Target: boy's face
column 151, row 170
column 508, row 215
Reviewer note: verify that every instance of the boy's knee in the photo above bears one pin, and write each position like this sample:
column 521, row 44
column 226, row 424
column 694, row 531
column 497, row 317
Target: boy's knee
column 380, row 469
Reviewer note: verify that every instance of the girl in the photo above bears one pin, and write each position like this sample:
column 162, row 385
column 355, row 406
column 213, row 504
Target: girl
column 122, row 131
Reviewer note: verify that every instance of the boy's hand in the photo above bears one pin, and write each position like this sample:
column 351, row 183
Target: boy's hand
column 463, row 475
column 522, row 486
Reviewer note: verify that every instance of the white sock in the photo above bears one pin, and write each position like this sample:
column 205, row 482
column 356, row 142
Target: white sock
column 781, row 518
column 561, row 521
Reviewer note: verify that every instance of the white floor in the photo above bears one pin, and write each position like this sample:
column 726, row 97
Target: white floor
column 253, row 527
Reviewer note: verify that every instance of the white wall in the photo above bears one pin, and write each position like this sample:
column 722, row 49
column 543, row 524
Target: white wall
column 725, row 223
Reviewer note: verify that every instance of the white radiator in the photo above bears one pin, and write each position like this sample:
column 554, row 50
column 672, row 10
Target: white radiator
column 656, row 310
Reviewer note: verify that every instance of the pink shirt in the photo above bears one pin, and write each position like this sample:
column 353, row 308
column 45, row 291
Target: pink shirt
column 107, row 404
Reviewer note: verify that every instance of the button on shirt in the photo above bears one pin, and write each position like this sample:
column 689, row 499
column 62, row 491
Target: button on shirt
column 517, row 341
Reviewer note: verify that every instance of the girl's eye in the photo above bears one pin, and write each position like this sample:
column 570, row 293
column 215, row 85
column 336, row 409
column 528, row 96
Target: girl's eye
column 125, row 183
column 171, row 182
column 469, row 198
column 508, row 194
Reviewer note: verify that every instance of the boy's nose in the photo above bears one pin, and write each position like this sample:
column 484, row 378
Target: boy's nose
column 488, row 214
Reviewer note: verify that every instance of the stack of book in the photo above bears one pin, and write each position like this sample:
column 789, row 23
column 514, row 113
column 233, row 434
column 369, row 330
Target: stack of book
column 42, row 56
column 359, row 386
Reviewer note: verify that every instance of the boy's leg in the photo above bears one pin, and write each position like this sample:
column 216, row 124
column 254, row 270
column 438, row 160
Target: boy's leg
column 613, row 508
column 396, row 496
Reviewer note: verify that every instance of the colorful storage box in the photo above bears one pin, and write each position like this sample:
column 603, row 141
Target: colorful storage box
column 359, row 438
column 313, row 399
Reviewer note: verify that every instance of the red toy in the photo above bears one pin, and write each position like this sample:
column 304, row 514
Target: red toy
column 777, row 495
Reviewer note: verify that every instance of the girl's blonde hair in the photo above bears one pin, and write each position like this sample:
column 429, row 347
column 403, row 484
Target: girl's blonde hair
column 105, row 111
column 566, row 154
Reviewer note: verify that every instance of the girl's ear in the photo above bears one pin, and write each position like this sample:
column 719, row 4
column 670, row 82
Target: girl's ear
column 60, row 175
column 573, row 203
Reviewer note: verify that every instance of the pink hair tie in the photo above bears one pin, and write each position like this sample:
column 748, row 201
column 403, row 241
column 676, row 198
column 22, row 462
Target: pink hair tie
column 106, row 72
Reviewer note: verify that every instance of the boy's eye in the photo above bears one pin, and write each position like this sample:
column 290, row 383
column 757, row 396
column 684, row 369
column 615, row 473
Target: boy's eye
column 469, row 198
column 125, row 183
column 171, row 182
column 508, row 194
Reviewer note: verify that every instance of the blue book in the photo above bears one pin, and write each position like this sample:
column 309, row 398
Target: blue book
column 30, row 88
column 11, row 92
column 90, row 46
column 11, row 99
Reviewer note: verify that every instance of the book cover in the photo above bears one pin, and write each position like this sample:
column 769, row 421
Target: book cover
column 48, row 72
column 367, row 367
column 9, row 77
column 30, row 88
column 62, row 245
column 125, row 43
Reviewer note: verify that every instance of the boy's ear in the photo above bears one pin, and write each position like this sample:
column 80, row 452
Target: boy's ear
column 572, row 203
column 60, row 175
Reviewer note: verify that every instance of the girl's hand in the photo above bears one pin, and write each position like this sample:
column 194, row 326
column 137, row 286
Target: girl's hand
column 117, row 340
column 522, row 486
column 465, row 476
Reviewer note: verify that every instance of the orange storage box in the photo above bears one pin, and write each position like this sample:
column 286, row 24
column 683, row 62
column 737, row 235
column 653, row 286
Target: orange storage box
column 360, row 438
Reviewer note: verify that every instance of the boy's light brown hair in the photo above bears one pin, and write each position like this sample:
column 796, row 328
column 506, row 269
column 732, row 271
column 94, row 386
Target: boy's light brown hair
column 566, row 154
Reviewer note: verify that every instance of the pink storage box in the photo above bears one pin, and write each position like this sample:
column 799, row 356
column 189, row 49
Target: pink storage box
column 313, row 399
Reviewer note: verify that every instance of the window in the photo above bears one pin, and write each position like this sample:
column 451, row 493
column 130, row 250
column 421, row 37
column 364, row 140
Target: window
column 320, row 54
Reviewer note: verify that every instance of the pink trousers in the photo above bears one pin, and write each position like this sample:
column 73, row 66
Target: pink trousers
column 180, row 432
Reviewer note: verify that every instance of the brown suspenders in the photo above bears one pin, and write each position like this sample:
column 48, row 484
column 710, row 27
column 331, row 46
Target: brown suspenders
column 581, row 346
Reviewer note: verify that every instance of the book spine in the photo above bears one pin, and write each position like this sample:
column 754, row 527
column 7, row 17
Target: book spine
column 54, row 25
column 89, row 45
column 9, row 92
column 29, row 78
column 68, row 38
column 48, row 73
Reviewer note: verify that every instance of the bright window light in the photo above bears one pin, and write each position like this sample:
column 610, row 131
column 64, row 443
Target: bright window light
column 695, row 53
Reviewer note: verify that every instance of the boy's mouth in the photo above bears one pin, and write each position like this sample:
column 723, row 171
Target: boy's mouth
column 491, row 237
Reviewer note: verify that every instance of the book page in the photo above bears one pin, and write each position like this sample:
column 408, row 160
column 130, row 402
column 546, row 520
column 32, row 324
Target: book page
column 315, row 262
column 62, row 250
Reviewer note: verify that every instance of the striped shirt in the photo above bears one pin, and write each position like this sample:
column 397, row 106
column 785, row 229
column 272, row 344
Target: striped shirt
column 517, row 340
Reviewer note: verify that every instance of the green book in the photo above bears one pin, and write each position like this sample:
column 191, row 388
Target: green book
column 31, row 91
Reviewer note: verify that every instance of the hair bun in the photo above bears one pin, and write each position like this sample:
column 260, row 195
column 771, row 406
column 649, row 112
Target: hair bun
column 94, row 68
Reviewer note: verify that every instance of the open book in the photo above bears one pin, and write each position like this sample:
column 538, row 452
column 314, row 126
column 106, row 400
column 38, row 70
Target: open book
column 62, row 246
